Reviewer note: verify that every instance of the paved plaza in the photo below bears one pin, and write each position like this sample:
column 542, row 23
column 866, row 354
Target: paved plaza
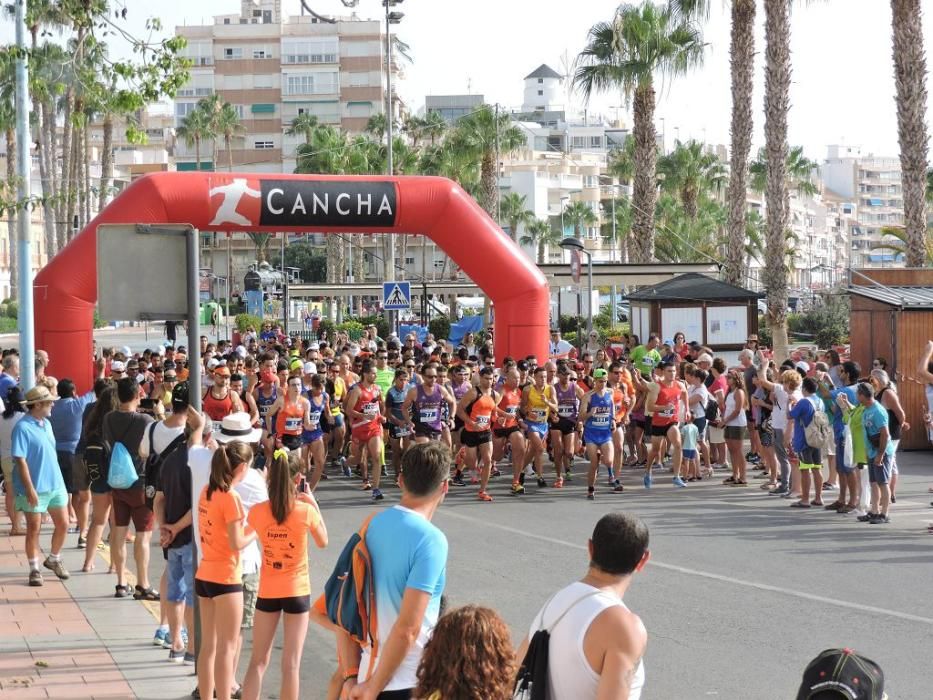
column 742, row 591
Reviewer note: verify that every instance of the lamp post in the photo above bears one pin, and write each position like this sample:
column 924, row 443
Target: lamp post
column 391, row 18
column 576, row 244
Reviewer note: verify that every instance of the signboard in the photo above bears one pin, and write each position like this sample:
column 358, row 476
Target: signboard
column 575, row 266
column 204, row 283
column 127, row 290
column 396, row 296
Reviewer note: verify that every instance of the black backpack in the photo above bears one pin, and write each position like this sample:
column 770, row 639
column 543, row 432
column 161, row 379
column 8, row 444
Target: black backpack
column 97, row 460
column 153, row 466
column 532, row 682
column 712, row 410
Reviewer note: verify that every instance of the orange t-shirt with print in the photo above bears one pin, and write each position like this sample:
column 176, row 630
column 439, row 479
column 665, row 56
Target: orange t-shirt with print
column 220, row 563
column 284, row 572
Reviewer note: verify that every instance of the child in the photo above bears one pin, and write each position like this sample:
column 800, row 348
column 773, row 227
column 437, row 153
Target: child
column 689, row 437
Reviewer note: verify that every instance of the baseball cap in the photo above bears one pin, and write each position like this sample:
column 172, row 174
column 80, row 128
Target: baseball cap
column 843, row 674
column 296, row 363
column 212, row 363
column 241, row 352
column 117, row 366
column 600, row 374
column 803, row 366
column 315, row 346
column 310, row 368
column 705, row 357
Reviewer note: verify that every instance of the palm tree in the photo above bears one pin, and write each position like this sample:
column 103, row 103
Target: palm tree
column 476, row 136
column 513, row 211
column 622, row 160
column 900, row 245
column 685, row 239
column 227, row 124
column 413, row 128
column 539, row 233
column 689, row 171
column 261, row 241
column 304, row 125
column 626, row 54
column 619, row 234
column 194, row 129
column 580, row 215
column 377, row 125
column 777, row 195
column 910, row 72
column 435, row 126
column 8, row 125
column 800, row 171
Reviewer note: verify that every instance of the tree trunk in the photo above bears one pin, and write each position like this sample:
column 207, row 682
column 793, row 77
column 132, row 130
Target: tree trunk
column 197, row 153
column 645, row 181
column 488, row 183
column 72, row 190
column 689, row 196
column 742, row 65
column 86, row 157
column 359, row 258
column 228, row 143
column 66, row 184
column 106, row 162
column 12, row 212
column 50, row 183
column 910, row 73
column 777, row 104
column 541, row 252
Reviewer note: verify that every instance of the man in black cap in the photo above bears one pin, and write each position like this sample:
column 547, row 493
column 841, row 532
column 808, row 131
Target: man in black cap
column 841, row 674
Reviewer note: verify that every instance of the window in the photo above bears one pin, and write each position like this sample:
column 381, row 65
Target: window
column 410, row 260
column 263, row 145
column 322, row 50
column 232, row 53
column 310, row 84
column 226, row 20
column 262, row 53
column 359, row 109
column 363, row 48
column 596, row 141
column 359, row 79
column 578, row 141
column 540, row 93
column 201, row 53
column 263, row 109
column 240, row 111
column 182, row 110
column 263, row 82
column 540, row 82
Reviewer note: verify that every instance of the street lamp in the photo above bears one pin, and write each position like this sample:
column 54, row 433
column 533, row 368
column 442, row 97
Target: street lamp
column 391, row 18
column 576, row 244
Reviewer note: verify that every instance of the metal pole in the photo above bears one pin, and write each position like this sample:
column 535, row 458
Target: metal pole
column 498, row 191
column 589, row 286
column 612, row 249
column 350, row 271
column 229, row 277
column 27, row 339
column 390, row 164
column 194, row 321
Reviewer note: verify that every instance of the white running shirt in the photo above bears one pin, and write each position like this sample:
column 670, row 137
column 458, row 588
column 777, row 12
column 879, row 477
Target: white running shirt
column 569, row 673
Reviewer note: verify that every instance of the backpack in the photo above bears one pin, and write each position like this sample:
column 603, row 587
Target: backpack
column 818, row 433
column 350, row 594
column 532, row 680
column 712, row 410
column 96, row 459
column 154, row 462
column 122, row 473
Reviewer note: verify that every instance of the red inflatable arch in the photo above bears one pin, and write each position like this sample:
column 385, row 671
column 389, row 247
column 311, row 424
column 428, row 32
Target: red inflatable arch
column 66, row 289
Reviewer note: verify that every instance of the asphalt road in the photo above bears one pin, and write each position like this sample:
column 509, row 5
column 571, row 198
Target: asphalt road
column 740, row 594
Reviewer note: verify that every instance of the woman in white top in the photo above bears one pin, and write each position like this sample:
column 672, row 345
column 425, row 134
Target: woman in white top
column 12, row 412
column 735, row 423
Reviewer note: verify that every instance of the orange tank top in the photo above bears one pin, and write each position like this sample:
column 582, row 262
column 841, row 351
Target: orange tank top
column 290, row 418
column 368, row 404
column 510, row 401
column 217, row 409
column 480, row 411
column 666, row 406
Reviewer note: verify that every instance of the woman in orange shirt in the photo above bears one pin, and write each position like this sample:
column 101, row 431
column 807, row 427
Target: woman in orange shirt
column 282, row 525
column 218, row 581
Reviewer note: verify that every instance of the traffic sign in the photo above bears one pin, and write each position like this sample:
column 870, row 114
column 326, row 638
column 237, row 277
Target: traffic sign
column 575, row 266
column 396, row 296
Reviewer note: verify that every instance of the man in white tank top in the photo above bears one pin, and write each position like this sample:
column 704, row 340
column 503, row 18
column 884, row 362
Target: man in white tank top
column 596, row 642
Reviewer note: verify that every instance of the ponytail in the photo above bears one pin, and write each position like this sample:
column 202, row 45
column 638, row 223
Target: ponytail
column 224, row 463
column 281, row 481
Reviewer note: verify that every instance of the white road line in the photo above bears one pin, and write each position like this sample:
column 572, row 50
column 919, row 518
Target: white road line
column 706, row 574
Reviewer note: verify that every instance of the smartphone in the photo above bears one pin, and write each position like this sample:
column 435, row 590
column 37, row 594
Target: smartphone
column 302, row 485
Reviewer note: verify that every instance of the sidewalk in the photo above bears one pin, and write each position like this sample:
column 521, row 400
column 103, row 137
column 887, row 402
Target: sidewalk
column 71, row 639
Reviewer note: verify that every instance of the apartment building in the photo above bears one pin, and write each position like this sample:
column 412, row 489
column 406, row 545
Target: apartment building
column 873, row 184
column 272, row 68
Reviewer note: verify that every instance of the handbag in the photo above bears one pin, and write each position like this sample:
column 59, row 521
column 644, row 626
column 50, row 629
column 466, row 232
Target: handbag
column 847, row 451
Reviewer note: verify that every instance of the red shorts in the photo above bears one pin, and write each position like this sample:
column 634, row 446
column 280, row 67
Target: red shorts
column 367, row 431
column 130, row 504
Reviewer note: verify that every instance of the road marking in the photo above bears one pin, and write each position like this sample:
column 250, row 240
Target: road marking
column 709, row 575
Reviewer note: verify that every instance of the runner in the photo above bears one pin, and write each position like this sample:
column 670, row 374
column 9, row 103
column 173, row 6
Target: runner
column 462, row 383
column 475, row 411
column 621, row 384
column 246, row 397
column 424, row 404
column 508, row 431
column 220, row 401
column 597, row 420
column 366, row 411
column 313, row 450
column 337, row 431
column 537, row 406
column 399, row 432
column 666, row 410
column 564, row 428
column 282, row 525
column 265, row 395
column 289, row 416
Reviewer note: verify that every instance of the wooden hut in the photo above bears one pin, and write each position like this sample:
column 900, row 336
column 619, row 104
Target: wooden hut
column 718, row 315
column 891, row 316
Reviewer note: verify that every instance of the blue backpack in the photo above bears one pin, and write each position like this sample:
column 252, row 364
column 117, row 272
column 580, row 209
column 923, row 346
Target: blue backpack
column 122, row 470
column 350, row 596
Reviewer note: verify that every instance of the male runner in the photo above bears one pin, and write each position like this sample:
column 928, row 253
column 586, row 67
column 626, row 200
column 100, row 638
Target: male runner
column 564, row 429
column 537, row 406
column 597, row 418
column 475, row 410
column 665, row 407
column 365, row 407
column 508, row 430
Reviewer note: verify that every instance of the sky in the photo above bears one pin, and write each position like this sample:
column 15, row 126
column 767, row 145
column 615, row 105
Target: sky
column 842, row 90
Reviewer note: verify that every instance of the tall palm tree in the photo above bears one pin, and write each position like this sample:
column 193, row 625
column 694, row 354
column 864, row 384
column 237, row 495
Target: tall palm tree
column 800, row 171
column 540, row 234
column 435, row 126
column 227, row 125
column 477, row 135
column 777, row 195
column 261, row 241
column 376, row 125
column 303, row 125
column 622, row 161
column 195, row 129
column 898, row 243
column 580, row 215
column 910, row 72
column 413, row 128
column 686, row 239
column 627, row 53
column 689, row 171
column 618, row 234
column 514, row 213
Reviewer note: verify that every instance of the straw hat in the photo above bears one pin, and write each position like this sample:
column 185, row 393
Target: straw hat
column 237, row 427
column 38, row 394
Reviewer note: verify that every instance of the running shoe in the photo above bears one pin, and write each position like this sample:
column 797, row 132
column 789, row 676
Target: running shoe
column 879, row 519
column 377, row 495
column 176, row 657
column 867, row 518
column 618, row 487
column 647, row 481
column 558, row 484
column 591, row 494
column 542, row 483
column 568, row 475
column 517, row 489
column 367, row 485
column 35, row 578
column 679, row 483
column 82, row 542
column 57, row 567
column 189, row 659
column 458, row 479
column 779, row 491
column 161, row 637
column 347, row 472
column 483, row 496
column 495, row 472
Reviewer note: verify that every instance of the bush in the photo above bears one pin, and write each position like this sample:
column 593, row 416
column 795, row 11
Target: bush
column 439, row 327
column 8, row 325
column 325, row 328
column 11, row 309
column 570, row 337
column 98, row 323
column 352, row 328
column 568, row 324
column 382, row 326
column 765, row 339
column 244, row 321
column 827, row 323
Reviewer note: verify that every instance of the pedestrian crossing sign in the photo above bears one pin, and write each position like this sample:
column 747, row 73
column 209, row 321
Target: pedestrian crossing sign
column 396, row 295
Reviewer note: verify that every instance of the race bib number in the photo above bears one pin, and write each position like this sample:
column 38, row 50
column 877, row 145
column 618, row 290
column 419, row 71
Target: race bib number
column 511, row 410
column 428, row 415
column 538, row 415
column 601, row 418
column 666, row 412
column 402, row 432
column 482, row 422
column 293, row 424
column 371, row 409
column 315, row 420
column 565, row 411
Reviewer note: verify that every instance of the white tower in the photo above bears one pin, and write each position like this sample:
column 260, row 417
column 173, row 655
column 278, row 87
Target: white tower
column 543, row 90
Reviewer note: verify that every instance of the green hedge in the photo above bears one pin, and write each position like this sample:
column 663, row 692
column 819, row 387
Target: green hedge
column 244, row 321
column 439, row 327
column 8, row 325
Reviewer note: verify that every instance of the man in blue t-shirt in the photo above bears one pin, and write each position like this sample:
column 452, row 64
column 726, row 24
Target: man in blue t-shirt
column 9, row 377
column 848, row 475
column 409, row 563
column 38, row 483
column 880, row 451
column 810, row 458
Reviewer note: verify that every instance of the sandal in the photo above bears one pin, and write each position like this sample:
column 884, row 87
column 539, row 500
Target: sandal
column 145, row 593
column 799, row 504
column 729, row 480
column 121, row 591
column 816, row 503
